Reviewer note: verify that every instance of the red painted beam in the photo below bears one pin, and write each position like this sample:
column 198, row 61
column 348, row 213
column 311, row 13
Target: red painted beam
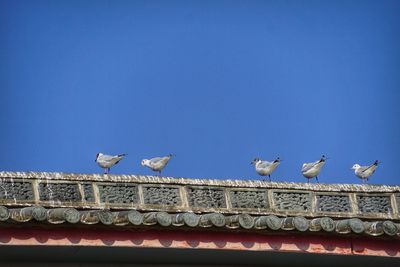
column 152, row 238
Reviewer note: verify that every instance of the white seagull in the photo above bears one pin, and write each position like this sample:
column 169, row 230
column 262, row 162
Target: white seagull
column 107, row 161
column 364, row 172
column 157, row 164
column 311, row 170
column 265, row 168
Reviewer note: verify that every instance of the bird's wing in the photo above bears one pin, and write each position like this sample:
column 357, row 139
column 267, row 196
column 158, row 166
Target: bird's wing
column 155, row 160
column 264, row 164
column 308, row 166
column 371, row 167
column 107, row 158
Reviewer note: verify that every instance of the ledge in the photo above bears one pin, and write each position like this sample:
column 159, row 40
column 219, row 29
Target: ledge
column 231, row 204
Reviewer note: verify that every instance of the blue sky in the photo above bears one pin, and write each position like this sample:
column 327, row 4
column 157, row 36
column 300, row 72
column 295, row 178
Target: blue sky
column 217, row 83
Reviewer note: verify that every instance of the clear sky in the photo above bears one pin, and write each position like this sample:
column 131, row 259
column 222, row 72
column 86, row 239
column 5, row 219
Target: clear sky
column 217, row 83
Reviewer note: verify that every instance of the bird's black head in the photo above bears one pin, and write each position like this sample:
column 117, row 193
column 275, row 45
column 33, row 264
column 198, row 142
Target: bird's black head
column 323, row 158
column 277, row 160
column 376, row 162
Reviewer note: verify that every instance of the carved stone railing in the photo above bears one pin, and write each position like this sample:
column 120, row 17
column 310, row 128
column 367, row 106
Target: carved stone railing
column 150, row 193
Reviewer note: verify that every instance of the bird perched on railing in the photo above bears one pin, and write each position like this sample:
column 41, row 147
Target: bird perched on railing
column 107, row 161
column 157, row 164
column 311, row 170
column 265, row 168
column 364, row 172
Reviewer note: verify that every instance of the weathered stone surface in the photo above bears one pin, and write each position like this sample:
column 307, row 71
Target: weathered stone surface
column 135, row 217
column 88, row 193
column 206, row 198
column 273, row 222
column 242, row 220
column 327, row 224
column 350, row 225
column 212, row 219
column 248, row 199
column 333, row 203
column 191, row 219
column 60, row 215
column 301, row 223
column 4, row 214
column 39, row 213
column 260, row 222
column 356, row 225
column 374, row 204
column 292, row 201
column 106, row 217
column 163, row 196
column 150, row 218
column 61, row 192
column 390, row 228
column 163, row 218
column 118, row 193
column 18, row 191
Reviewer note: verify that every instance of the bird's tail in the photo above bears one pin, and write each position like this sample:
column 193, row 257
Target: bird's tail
column 122, row 155
column 171, row 155
column 376, row 162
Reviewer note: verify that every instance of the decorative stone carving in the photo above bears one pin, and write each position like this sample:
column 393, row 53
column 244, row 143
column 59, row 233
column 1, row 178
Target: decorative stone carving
column 248, row 199
column 162, row 218
column 88, row 193
column 106, row 217
column 301, row 223
column 17, row 191
column 190, row 219
column 324, row 223
column 273, row 222
column 118, row 193
column 59, row 192
column 60, row 215
column 333, row 203
column 390, row 228
column 39, row 213
column 243, row 220
column 28, row 213
column 206, row 198
column 260, row 222
column 212, row 219
column 4, row 214
column 292, row 201
column 346, row 226
column 135, row 217
column 374, row 204
column 163, row 196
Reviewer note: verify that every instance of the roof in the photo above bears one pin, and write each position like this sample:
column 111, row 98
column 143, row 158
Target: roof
column 150, row 201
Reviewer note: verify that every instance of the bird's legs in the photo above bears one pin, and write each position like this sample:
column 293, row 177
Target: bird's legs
column 316, row 177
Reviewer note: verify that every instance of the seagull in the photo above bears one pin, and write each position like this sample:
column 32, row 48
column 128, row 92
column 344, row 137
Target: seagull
column 311, row 170
column 265, row 168
column 107, row 161
column 364, row 172
column 157, row 164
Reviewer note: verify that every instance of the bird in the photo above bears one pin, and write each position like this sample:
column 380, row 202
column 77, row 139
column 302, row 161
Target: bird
column 364, row 172
column 264, row 167
column 311, row 170
column 107, row 161
column 157, row 164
